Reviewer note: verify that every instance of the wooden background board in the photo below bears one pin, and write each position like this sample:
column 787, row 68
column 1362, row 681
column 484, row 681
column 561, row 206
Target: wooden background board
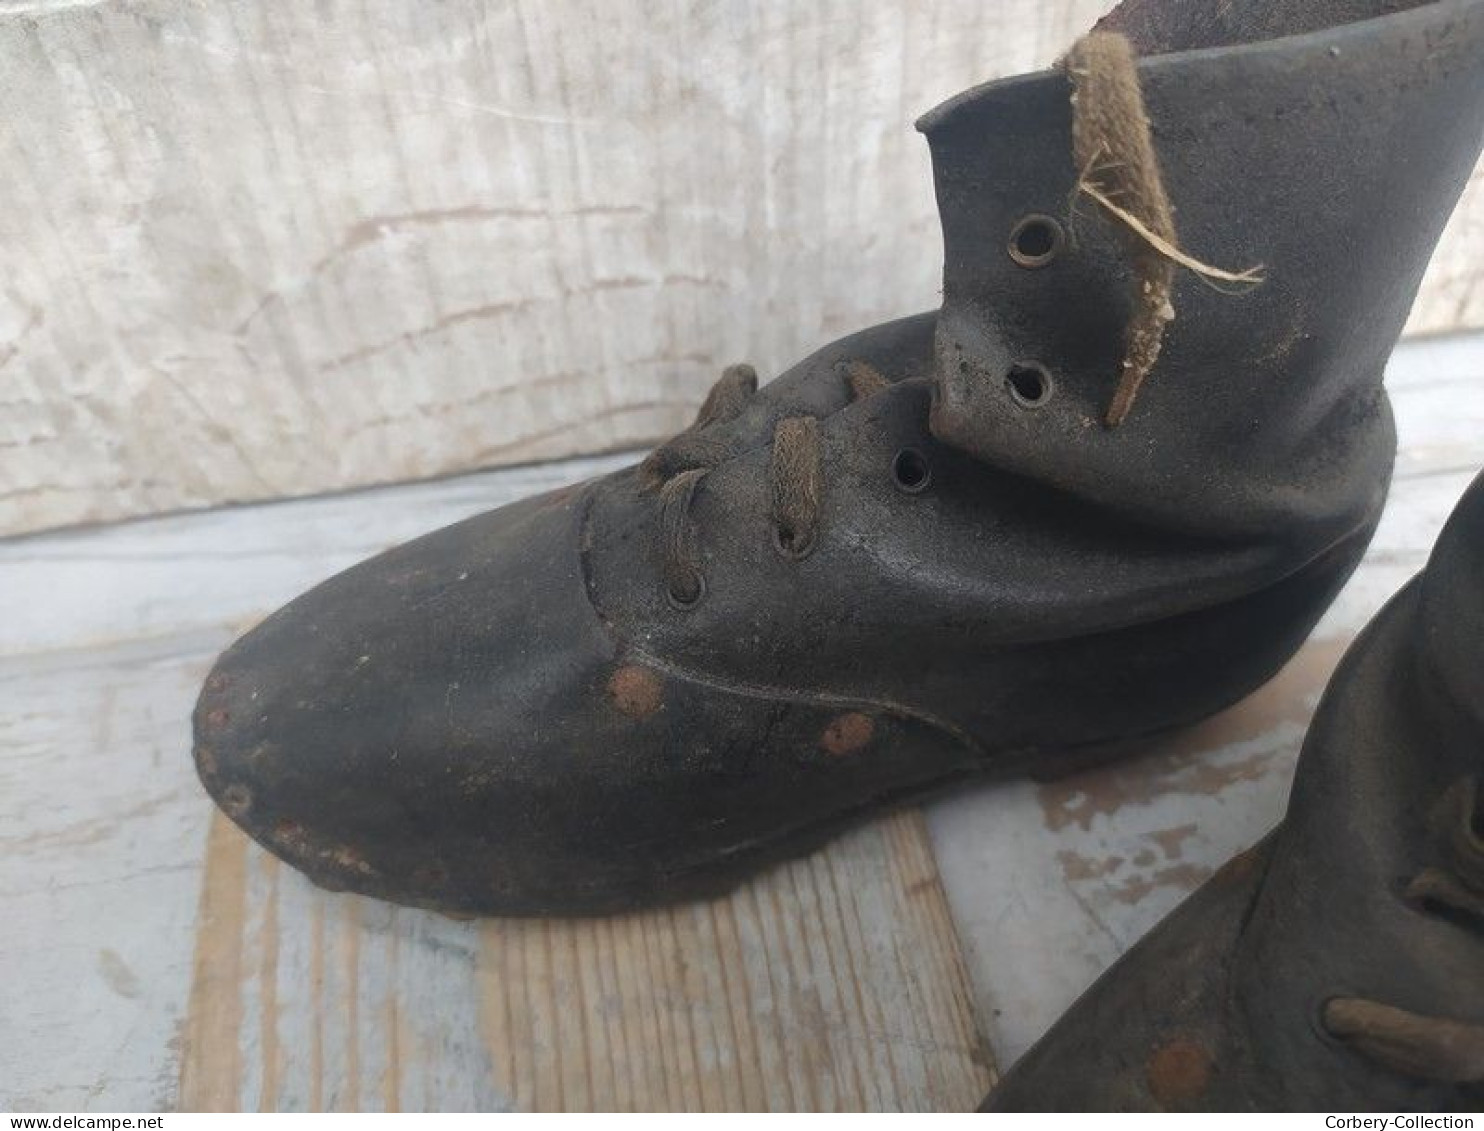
column 154, row 959
column 257, row 249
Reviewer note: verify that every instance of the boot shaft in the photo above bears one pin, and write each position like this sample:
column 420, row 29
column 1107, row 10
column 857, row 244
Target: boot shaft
column 1331, row 159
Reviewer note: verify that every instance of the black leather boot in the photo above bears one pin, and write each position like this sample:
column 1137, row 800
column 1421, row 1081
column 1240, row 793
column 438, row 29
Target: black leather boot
column 1004, row 537
column 1339, row 965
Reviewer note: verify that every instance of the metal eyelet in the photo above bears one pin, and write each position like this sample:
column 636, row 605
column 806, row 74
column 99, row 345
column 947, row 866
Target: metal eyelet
column 1029, row 384
column 1036, row 240
column 683, row 604
column 911, row 472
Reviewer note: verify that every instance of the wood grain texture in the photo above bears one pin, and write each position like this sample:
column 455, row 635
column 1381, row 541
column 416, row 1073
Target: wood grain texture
column 101, row 833
column 261, row 249
column 830, row 984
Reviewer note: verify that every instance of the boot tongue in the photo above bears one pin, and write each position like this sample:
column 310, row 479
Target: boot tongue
column 1332, row 160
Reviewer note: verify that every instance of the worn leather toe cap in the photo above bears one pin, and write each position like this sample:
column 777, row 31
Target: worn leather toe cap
column 453, row 725
column 406, row 727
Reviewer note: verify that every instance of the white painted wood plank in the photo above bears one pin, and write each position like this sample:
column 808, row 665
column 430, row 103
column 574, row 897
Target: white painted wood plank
column 261, row 249
column 181, row 573
column 100, row 834
column 1049, row 883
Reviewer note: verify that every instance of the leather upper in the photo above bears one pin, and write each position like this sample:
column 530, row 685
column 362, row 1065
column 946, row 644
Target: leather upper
column 1331, row 159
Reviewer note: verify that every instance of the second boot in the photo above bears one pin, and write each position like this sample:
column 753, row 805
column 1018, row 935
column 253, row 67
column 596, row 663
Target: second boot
column 1093, row 497
column 1339, row 965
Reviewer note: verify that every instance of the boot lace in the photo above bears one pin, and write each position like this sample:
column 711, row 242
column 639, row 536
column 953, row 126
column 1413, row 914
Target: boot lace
column 677, row 467
column 1433, row 1048
column 1113, row 144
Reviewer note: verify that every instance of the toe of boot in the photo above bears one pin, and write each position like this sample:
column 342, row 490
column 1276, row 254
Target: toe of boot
column 453, row 725
column 406, row 727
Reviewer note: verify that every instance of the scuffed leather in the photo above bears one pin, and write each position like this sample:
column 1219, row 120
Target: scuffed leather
column 1238, row 976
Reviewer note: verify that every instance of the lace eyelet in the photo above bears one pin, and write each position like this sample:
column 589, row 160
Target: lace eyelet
column 911, row 472
column 1029, row 384
column 683, row 604
column 790, row 552
column 1036, row 240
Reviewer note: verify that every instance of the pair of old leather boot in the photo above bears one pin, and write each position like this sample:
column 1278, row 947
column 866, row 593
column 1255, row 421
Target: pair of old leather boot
column 1104, row 491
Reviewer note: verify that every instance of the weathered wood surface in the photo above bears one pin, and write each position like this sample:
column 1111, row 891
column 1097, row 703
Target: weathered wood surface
column 155, row 959
column 257, row 249
column 832, row 984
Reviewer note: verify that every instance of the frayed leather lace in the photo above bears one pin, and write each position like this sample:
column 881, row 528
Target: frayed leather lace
column 677, row 467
